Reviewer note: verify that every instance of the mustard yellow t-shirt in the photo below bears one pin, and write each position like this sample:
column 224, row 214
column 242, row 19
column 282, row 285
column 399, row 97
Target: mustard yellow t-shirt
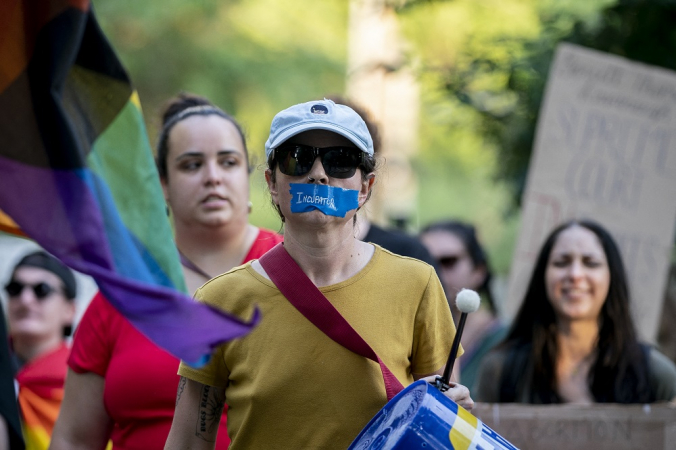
column 289, row 386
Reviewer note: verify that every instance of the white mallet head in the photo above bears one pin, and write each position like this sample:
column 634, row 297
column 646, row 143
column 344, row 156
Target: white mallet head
column 467, row 300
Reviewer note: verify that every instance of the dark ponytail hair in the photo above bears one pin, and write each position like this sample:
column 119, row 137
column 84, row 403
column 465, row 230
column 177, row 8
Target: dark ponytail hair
column 181, row 107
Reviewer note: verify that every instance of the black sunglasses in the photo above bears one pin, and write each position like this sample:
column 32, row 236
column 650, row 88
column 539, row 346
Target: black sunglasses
column 41, row 290
column 449, row 262
column 338, row 162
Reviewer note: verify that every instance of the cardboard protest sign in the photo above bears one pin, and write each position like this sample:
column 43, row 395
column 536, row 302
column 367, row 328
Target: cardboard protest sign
column 582, row 427
column 605, row 149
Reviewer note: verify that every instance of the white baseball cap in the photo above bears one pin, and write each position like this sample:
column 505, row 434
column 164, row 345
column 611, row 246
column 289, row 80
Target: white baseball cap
column 319, row 115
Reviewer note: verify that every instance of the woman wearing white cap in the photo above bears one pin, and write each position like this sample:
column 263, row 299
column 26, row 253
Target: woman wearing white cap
column 288, row 384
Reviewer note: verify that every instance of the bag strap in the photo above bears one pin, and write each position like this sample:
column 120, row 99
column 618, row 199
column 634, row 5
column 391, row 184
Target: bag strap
column 302, row 293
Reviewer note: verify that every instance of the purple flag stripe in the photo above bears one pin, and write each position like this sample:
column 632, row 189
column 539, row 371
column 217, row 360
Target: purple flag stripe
column 57, row 208
column 170, row 319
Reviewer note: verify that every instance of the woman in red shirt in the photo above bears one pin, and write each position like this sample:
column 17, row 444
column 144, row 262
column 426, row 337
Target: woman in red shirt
column 120, row 386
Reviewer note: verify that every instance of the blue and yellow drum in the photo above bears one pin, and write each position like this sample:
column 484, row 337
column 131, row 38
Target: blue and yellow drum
column 421, row 417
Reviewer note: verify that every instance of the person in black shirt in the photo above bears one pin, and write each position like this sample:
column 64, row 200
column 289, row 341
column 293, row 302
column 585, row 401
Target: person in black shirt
column 10, row 426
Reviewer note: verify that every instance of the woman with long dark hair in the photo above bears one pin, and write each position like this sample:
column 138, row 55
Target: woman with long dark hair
column 573, row 339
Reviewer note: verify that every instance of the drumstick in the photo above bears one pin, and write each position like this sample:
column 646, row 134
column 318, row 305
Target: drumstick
column 467, row 301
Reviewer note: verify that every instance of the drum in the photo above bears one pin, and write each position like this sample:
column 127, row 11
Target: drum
column 421, row 417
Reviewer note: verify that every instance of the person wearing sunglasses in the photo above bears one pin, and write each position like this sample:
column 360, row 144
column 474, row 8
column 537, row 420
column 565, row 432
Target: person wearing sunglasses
column 463, row 263
column 40, row 311
column 287, row 384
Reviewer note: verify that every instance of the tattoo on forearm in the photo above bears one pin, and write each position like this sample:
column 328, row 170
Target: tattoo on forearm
column 181, row 386
column 211, row 405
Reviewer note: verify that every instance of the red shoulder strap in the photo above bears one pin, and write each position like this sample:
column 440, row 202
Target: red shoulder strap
column 309, row 301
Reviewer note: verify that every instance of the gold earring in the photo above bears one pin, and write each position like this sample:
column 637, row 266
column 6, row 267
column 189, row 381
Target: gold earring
column 250, row 206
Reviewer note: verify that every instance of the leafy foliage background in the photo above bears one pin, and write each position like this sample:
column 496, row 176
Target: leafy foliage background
column 482, row 67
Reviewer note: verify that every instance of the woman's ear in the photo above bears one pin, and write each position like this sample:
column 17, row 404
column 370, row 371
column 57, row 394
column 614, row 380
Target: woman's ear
column 272, row 186
column 165, row 188
column 68, row 313
column 478, row 276
column 366, row 186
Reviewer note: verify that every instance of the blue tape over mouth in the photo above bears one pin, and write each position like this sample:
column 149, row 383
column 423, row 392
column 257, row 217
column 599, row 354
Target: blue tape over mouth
column 331, row 200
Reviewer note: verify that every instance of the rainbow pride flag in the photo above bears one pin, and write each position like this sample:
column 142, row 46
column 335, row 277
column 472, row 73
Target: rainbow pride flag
column 40, row 395
column 77, row 173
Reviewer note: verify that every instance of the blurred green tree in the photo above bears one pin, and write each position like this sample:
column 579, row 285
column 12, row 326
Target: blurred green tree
column 501, row 78
column 481, row 65
column 252, row 58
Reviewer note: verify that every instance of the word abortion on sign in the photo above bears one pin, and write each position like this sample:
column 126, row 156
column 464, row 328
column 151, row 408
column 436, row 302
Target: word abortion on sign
column 605, row 149
column 582, row 427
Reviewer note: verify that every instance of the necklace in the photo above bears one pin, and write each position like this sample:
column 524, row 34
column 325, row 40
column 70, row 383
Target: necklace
column 192, row 266
column 185, row 261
